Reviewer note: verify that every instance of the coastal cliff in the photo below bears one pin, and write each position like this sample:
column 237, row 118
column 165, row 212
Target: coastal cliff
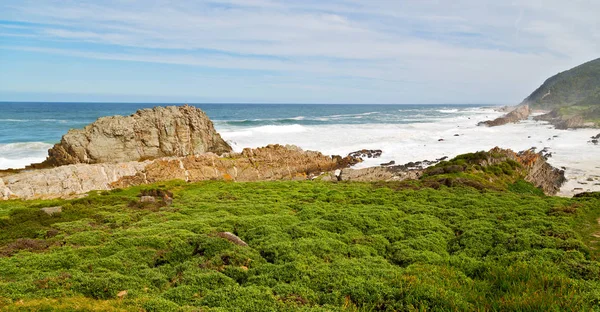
column 147, row 134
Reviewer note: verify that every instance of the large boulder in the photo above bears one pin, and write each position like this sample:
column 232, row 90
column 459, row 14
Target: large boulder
column 147, row 134
column 519, row 113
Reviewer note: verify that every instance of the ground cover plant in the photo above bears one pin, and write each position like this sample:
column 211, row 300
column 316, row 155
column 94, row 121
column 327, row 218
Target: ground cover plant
column 312, row 246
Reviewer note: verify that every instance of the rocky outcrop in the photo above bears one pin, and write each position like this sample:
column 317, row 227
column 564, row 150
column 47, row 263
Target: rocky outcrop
column 147, row 134
column 274, row 162
column 561, row 121
column 365, row 153
column 519, row 113
column 539, row 172
column 373, row 174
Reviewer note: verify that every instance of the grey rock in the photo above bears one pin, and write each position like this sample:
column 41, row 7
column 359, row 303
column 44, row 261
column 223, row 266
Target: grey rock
column 147, row 199
column 232, row 238
column 52, row 210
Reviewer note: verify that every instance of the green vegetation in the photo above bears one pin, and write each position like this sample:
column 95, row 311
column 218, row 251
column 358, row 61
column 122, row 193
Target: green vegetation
column 313, row 246
column 573, row 93
column 577, row 86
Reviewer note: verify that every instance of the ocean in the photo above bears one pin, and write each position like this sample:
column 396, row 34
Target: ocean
column 404, row 132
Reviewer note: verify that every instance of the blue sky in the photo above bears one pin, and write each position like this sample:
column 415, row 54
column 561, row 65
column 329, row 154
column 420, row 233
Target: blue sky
column 310, row 51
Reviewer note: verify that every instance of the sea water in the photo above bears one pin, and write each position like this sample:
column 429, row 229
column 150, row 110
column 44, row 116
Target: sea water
column 404, row 132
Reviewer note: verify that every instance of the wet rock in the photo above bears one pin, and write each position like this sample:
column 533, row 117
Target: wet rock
column 389, row 163
column 366, row 153
column 440, row 140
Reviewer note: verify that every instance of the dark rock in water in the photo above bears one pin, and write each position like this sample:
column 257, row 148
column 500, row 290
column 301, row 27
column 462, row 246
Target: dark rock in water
column 519, row 113
column 588, row 194
column 232, row 238
column 529, row 137
column 596, row 137
column 389, row 163
column 563, row 168
column 442, row 159
column 457, row 134
column 440, row 140
column 595, row 141
column 365, row 153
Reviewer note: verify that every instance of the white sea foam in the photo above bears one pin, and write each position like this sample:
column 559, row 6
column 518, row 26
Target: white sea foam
column 401, row 142
column 19, row 155
column 271, row 129
column 419, row 141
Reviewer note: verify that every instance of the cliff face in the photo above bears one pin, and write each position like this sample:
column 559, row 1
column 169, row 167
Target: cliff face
column 274, row 162
column 516, row 115
column 147, row 134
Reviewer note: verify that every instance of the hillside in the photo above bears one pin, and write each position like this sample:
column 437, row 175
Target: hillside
column 573, row 96
column 473, row 239
column 577, row 86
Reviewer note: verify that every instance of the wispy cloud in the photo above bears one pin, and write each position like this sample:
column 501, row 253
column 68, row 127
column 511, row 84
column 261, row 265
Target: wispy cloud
column 501, row 49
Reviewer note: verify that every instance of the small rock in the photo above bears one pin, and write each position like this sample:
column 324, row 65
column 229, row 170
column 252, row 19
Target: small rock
column 389, row 163
column 232, row 238
column 147, row 199
column 457, row 134
column 122, row 294
column 578, row 189
column 52, row 210
column 440, row 140
column 365, row 153
column 590, row 179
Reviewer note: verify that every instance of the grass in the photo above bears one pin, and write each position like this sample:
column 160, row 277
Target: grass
column 313, row 246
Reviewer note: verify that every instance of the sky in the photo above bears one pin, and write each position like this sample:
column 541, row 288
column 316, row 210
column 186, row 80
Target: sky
column 290, row 51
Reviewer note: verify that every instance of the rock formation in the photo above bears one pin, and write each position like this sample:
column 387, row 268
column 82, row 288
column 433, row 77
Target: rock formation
column 365, row 153
column 274, row 162
column 147, row 134
column 539, row 172
column 561, row 121
column 534, row 169
column 519, row 113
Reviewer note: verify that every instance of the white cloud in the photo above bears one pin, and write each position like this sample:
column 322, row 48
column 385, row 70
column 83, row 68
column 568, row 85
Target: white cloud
column 500, row 49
